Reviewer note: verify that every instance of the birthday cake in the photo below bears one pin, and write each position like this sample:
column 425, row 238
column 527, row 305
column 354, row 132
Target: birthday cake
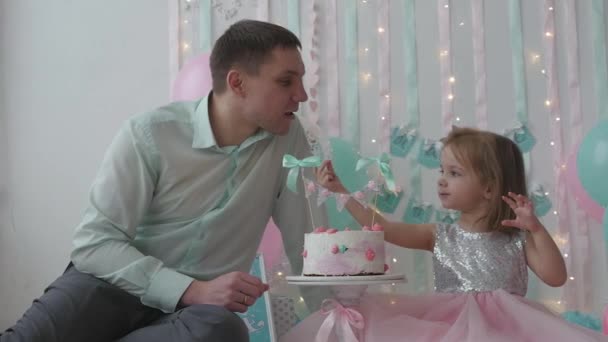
column 329, row 252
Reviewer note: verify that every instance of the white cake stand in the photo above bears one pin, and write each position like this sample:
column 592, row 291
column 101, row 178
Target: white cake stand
column 347, row 290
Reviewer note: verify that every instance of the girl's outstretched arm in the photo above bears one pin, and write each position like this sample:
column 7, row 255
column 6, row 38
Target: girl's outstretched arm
column 414, row 236
column 542, row 254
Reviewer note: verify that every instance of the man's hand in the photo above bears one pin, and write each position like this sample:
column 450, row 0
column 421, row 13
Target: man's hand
column 235, row 291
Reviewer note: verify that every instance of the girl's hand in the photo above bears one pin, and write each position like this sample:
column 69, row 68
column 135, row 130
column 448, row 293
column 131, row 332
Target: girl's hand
column 327, row 178
column 523, row 207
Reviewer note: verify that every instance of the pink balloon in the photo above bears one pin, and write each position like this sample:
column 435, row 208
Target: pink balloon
column 271, row 246
column 585, row 202
column 193, row 81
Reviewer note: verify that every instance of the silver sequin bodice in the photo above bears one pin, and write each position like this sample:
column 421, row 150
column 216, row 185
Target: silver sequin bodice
column 479, row 262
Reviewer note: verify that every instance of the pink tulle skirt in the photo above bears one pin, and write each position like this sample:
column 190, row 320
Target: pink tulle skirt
column 493, row 316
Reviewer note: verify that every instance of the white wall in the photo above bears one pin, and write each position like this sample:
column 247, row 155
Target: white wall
column 70, row 73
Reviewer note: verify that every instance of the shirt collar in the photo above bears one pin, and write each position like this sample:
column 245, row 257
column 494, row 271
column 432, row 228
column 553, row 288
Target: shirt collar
column 203, row 134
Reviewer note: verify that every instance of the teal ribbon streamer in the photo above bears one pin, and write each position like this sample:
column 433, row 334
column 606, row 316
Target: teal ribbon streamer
column 295, row 164
column 351, row 74
column 412, row 111
column 599, row 57
column 383, row 163
column 293, row 16
column 517, row 57
column 205, row 25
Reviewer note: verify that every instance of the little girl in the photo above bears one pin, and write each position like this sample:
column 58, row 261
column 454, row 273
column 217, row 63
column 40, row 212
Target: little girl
column 479, row 263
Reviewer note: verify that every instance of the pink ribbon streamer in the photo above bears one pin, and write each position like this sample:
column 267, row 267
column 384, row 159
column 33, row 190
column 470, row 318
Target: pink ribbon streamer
column 384, row 79
column 582, row 255
column 556, row 136
column 342, row 318
column 174, row 48
column 479, row 64
column 333, row 88
column 445, row 65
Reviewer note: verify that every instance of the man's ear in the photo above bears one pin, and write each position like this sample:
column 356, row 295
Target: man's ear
column 235, row 82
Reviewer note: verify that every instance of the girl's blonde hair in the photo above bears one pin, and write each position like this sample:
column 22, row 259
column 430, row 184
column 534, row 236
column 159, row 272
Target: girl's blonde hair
column 497, row 162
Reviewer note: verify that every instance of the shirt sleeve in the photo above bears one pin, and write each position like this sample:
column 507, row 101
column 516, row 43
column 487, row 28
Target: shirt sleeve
column 293, row 214
column 118, row 200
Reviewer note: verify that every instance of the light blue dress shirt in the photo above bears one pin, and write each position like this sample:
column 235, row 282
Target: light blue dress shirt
column 169, row 205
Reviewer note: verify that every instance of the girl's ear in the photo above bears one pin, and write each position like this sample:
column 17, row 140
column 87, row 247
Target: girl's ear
column 489, row 193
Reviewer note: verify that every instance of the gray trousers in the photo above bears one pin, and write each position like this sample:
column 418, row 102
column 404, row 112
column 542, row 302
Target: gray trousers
column 78, row 307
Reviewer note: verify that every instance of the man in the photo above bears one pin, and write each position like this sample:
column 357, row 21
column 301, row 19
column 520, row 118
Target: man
column 180, row 204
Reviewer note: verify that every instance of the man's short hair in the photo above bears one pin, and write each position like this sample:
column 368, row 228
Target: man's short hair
column 246, row 44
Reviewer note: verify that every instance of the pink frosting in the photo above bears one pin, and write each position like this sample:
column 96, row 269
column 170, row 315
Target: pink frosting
column 346, row 229
column 377, row 228
column 335, row 249
column 320, row 230
column 366, row 228
column 369, row 254
column 331, row 231
column 305, row 253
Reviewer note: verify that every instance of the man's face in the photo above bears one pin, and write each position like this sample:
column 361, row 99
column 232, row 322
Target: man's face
column 274, row 94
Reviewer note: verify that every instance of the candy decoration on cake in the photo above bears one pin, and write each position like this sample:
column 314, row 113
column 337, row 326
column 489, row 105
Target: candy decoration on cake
column 369, row 254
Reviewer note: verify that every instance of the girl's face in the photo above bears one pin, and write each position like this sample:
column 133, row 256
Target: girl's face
column 459, row 188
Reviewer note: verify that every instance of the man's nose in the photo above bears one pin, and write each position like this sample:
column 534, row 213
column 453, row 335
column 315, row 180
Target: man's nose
column 300, row 95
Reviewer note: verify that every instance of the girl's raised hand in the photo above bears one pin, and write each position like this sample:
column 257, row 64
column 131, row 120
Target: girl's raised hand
column 326, row 177
column 523, row 208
